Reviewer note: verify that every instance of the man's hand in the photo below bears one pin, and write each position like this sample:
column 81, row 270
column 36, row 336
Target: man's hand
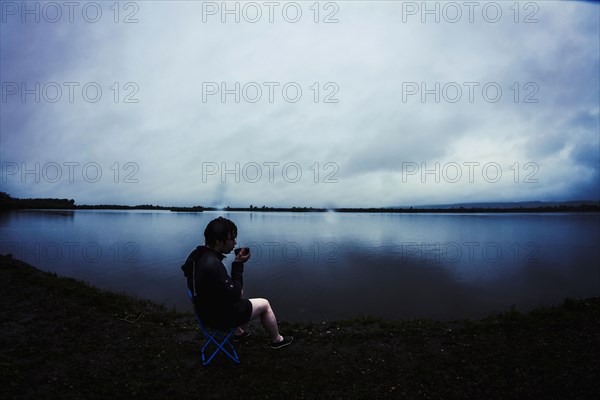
column 243, row 255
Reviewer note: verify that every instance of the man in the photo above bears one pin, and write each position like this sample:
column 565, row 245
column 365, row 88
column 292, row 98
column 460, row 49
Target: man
column 216, row 295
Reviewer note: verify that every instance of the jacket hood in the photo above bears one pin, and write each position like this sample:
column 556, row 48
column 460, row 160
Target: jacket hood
column 195, row 256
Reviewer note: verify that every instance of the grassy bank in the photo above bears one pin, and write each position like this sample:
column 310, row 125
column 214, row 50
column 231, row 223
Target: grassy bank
column 63, row 339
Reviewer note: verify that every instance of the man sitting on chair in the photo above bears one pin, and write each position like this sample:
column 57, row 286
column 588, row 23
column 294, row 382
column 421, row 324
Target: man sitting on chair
column 217, row 297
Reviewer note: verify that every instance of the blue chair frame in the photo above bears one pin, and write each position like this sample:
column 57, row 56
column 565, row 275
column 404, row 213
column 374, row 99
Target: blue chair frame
column 217, row 337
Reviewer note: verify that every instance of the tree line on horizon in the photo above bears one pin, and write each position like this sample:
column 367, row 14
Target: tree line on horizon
column 8, row 202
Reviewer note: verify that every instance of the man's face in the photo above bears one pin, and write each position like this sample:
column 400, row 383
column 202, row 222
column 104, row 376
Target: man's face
column 227, row 246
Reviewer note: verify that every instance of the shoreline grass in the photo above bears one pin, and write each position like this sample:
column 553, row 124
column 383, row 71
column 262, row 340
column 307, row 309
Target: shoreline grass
column 62, row 338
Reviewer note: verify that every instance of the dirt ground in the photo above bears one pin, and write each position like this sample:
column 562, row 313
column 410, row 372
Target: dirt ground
column 63, row 339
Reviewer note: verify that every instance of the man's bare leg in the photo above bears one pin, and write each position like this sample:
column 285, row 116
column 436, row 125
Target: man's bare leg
column 262, row 308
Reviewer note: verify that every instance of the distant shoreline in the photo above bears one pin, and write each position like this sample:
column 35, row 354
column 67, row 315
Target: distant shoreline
column 9, row 203
column 460, row 210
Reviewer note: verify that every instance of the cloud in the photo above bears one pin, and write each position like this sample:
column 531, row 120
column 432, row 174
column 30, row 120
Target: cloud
column 350, row 105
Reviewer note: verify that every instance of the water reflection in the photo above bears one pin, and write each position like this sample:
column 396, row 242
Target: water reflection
column 326, row 265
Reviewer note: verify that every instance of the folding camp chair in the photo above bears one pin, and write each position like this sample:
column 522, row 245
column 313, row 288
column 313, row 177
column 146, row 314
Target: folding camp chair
column 217, row 337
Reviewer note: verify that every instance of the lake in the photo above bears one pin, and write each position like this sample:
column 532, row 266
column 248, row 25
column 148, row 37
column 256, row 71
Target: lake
column 323, row 266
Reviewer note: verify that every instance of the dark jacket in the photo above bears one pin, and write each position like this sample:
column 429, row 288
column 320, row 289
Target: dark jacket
column 216, row 295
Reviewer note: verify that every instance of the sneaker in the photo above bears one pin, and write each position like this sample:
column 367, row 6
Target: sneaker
column 243, row 336
column 286, row 340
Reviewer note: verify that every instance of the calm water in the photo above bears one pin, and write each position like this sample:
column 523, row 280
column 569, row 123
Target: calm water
column 326, row 265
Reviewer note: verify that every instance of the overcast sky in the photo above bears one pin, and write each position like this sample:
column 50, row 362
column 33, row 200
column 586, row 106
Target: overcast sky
column 300, row 104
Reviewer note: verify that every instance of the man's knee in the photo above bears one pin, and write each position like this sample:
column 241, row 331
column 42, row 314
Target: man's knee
column 260, row 306
column 265, row 305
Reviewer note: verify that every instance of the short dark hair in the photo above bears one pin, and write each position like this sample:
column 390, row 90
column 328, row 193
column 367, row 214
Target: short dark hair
column 219, row 229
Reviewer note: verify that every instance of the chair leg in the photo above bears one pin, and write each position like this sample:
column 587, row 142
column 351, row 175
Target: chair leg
column 219, row 340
